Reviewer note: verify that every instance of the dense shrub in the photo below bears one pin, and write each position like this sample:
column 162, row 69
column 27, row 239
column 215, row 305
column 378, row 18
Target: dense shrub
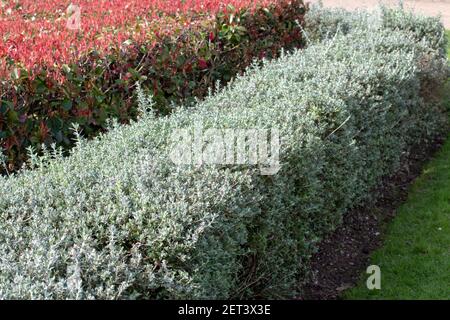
column 181, row 56
column 322, row 23
column 117, row 219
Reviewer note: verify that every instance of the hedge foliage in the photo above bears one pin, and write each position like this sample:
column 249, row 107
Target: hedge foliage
column 180, row 66
column 118, row 220
column 322, row 23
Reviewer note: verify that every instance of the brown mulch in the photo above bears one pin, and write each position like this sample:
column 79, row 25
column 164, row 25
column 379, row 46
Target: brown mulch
column 344, row 255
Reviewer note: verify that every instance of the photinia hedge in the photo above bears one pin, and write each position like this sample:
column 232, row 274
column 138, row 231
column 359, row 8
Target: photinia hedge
column 53, row 75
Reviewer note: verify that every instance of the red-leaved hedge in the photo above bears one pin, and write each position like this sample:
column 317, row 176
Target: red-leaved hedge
column 181, row 55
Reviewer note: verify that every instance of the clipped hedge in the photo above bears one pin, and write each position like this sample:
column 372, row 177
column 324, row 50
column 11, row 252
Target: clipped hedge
column 118, row 220
column 323, row 23
column 181, row 66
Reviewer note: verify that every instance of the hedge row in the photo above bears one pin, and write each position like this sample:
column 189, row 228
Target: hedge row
column 117, row 219
column 323, row 23
column 181, row 66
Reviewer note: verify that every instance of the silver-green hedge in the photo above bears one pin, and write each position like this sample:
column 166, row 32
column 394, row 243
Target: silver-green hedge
column 322, row 23
column 117, row 219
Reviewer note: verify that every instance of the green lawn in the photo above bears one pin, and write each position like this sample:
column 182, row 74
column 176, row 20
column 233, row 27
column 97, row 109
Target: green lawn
column 415, row 258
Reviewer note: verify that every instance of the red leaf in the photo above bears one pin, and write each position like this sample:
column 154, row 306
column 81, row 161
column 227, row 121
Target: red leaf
column 202, row 64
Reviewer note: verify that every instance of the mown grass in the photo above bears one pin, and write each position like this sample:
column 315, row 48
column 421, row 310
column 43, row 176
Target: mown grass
column 415, row 257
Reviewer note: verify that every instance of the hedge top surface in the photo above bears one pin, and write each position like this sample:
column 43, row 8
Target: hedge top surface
column 325, row 22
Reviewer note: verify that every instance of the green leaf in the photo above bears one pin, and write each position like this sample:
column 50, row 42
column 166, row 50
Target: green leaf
column 67, row 104
column 15, row 74
column 66, row 68
column 13, row 117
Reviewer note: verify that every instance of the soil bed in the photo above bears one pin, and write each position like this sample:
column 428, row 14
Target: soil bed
column 344, row 255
